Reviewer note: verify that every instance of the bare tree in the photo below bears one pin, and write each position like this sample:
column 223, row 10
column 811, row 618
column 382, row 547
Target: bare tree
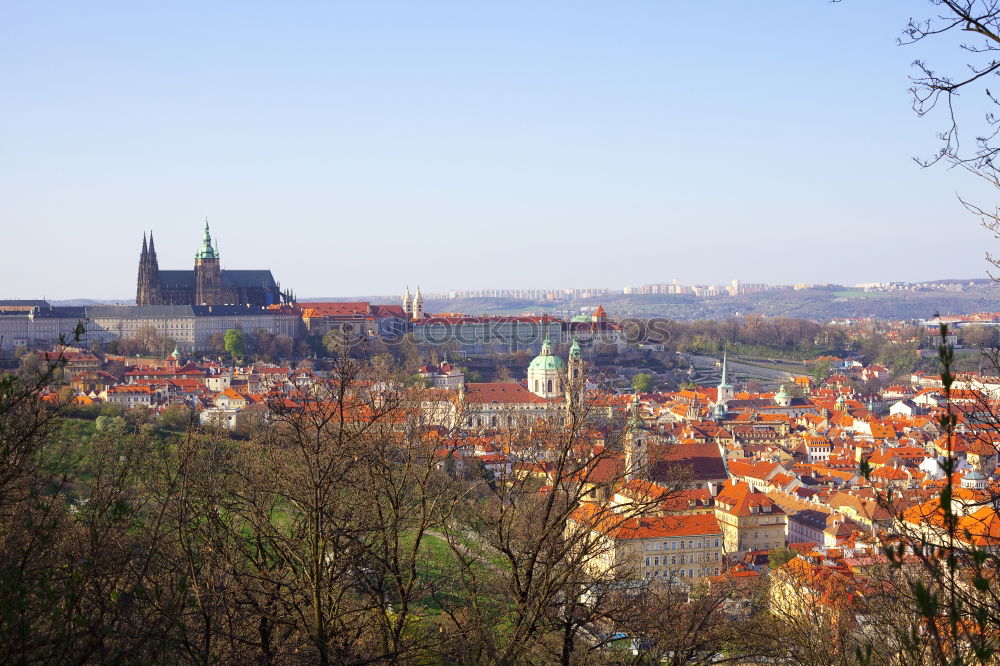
column 535, row 569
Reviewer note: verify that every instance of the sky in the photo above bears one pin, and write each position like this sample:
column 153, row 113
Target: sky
column 359, row 147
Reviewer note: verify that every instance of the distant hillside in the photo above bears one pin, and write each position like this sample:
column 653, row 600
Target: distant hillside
column 817, row 304
column 77, row 302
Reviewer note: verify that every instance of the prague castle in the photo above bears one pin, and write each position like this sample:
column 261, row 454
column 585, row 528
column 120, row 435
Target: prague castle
column 207, row 284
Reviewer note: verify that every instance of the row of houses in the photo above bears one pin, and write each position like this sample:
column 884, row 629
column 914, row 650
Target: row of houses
column 191, row 327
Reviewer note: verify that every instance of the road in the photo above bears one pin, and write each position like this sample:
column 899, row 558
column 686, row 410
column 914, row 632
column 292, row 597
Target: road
column 709, row 364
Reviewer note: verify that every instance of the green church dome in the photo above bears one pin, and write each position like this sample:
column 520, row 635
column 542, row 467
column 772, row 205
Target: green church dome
column 547, row 363
column 546, row 360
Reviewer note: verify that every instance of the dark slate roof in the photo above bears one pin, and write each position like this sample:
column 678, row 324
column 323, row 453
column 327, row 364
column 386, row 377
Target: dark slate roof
column 230, row 278
column 161, row 311
column 24, row 303
column 151, row 311
column 250, row 278
column 811, row 517
column 177, row 280
column 65, row 311
column 230, row 310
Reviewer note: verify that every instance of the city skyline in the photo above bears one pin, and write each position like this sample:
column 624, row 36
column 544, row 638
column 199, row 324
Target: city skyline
column 664, row 287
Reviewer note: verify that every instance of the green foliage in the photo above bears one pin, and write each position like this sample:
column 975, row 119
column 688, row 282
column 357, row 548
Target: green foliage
column 236, row 343
column 417, row 381
column 110, row 409
column 110, row 424
column 138, row 415
column 175, row 417
column 777, row 557
column 642, row 382
column 820, row 371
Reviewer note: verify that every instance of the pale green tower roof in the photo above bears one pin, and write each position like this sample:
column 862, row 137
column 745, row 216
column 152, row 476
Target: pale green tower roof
column 206, row 251
column 546, row 360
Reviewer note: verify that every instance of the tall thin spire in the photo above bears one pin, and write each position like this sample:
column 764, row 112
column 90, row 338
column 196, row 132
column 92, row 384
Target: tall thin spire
column 152, row 249
column 206, row 251
column 724, row 393
column 145, row 251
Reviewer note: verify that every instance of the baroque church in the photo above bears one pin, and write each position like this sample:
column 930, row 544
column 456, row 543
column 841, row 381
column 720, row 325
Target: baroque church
column 552, row 386
column 207, row 284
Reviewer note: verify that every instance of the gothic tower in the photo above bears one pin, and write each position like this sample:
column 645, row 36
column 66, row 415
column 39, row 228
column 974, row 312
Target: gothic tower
column 418, row 305
column 147, row 290
column 406, row 302
column 142, row 282
column 207, row 273
column 156, row 297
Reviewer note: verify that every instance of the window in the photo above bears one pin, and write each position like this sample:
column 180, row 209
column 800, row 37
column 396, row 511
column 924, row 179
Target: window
column 716, row 559
column 656, row 561
column 682, row 558
column 716, row 543
column 682, row 573
column 666, row 546
column 673, row 545
column 647, row 560
column 690, row 573
column 682, row 545
column 673, row 559
column 549, row 384
column 691, row 544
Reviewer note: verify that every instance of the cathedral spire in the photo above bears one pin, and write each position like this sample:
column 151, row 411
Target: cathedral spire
column 145, row 251
column 206, row 251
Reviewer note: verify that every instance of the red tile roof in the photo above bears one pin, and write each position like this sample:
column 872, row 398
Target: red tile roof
column 737, row 498
column 500, row 392
column 657, row 527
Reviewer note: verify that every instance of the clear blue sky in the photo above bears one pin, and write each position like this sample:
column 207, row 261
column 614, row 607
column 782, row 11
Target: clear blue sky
column 355, row 147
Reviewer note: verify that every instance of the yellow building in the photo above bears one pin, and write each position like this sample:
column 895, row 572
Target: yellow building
column 749, row 520
column 677, row 548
